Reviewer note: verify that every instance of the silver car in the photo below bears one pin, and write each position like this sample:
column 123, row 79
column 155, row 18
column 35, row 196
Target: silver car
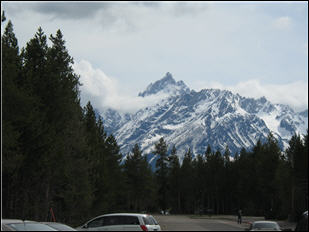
column 20, row 225
column 264, row 226
column 59, row 226
column 122, row 222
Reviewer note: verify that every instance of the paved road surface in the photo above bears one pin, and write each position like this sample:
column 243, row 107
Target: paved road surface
column 186, row 223
column 205, row 223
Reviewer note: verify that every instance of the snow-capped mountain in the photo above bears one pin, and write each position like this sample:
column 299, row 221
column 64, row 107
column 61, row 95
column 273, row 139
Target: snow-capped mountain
column 190, row 119
column 166, row 85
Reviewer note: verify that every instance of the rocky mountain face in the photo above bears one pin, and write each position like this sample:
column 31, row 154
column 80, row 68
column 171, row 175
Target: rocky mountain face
column 190, row 119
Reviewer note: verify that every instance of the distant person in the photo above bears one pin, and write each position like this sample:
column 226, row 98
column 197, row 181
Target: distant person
column 239, row 215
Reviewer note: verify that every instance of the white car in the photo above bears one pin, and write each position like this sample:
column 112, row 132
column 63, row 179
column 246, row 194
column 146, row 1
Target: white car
column 20, row 225
column 264, row 226
column 59, row 226
column 122, row 222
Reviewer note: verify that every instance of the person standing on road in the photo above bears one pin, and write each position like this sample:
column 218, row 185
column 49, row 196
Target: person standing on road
column 239, row 214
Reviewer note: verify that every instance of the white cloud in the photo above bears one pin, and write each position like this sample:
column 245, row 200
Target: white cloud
column 282, row 22
column 104, row 91
column 294, row 94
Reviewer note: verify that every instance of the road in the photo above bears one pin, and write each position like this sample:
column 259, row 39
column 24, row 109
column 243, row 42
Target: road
column 205, row 223
column 187, row 223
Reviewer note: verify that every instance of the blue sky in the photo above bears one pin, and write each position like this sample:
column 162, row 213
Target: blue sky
column 251, row 48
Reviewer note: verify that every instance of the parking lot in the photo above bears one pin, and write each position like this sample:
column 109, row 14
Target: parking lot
column 205, row 223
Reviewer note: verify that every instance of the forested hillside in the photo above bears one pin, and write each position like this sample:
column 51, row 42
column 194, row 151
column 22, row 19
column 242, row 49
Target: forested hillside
column 56, row 154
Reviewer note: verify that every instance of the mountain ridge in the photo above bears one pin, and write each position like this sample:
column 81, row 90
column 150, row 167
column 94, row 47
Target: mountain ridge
column 191, row 119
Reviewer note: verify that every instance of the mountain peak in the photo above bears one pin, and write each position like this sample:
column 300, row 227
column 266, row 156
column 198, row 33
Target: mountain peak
column 167, row 84
column 168, row 78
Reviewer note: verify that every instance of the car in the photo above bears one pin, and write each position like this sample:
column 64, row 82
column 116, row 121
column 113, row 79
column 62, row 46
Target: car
column 302, row 224
column 23, row 225
column 59, row 226
column 122, row 222
column 263, row 225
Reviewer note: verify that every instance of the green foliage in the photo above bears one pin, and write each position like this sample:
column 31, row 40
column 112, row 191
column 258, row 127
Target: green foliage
column 174, row 181
column 297, row 156
column 162, row 173
column 138, row 181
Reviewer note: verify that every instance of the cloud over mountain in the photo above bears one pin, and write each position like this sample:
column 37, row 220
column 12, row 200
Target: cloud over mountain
column 105, row 92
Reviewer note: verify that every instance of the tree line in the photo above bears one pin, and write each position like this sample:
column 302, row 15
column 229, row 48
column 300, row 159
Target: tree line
column 56, row 155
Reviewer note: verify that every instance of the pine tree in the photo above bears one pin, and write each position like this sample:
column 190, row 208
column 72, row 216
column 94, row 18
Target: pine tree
column 269, row 160
column 187, row 183
column 161, row 173
column 174, row 181
column 227, row 182
column 114, row 177
column 297, row 156
column 138, row 180
column 199, row 173
column 12, row 98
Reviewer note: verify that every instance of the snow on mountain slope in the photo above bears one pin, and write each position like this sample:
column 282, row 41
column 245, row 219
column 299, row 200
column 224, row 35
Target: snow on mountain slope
column 190, row 119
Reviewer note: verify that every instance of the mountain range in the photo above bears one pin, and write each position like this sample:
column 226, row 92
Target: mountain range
column 191, row 119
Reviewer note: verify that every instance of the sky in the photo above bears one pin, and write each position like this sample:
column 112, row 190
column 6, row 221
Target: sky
column 254, row 49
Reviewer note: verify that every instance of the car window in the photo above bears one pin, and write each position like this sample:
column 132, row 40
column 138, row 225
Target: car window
column 265, row 226
column 120, row 220
column 96, row 222
column 154, row 220
column 149, row 220
column 129, row 220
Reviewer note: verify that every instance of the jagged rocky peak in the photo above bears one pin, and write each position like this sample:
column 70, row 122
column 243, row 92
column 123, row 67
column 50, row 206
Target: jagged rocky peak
column 167, row 79
column 166, row 84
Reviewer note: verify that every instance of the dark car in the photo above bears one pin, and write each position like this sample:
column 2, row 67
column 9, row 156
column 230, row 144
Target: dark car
column 302, row 224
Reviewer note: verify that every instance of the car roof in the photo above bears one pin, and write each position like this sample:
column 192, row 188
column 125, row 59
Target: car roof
column 51, row 223
column 7, row 221
column 125, row 214
column 265, row 222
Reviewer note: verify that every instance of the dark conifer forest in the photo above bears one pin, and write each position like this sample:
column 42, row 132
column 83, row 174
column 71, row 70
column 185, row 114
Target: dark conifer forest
column 56, row 154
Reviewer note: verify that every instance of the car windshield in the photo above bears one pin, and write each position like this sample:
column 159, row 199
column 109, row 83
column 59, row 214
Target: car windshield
column 265, row 225
column 31, row 227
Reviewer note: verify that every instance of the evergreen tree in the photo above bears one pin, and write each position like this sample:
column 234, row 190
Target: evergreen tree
column 283, row 180
column 208, row 180
column 187, row 196
column 114, row 178
column 227, row 182
column 174, row 181
column 199, row 184
column 138, row 180
column 297, row 156
column 161, row 173
column 32, row 142
column 14, row 100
